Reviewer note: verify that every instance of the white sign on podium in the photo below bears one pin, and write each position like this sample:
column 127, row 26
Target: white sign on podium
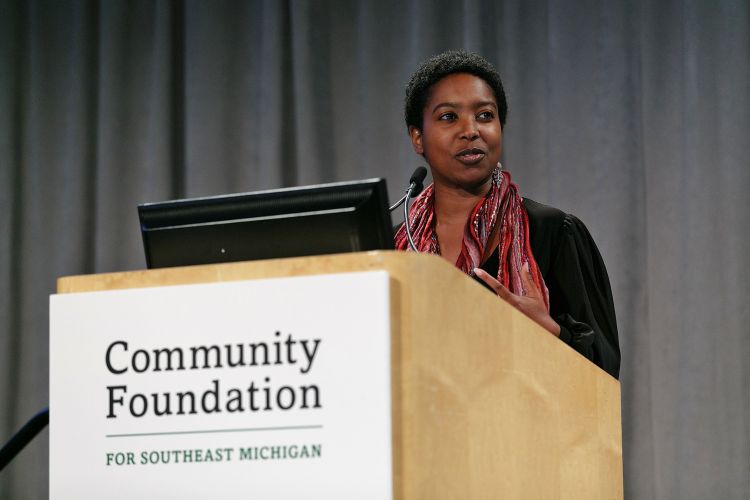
column 274, row 388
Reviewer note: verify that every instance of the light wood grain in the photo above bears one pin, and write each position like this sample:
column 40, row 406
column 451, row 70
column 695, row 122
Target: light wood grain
column 486, row 404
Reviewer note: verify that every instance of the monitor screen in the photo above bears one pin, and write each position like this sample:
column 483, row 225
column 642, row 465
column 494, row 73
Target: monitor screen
column 309, row 220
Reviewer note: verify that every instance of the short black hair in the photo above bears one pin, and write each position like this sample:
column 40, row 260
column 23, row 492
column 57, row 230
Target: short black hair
column 438, row 67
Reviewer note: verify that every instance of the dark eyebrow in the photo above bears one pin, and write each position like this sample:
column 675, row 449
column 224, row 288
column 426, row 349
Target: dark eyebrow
column 486, row 103
column 455, row 105
column 444, row 104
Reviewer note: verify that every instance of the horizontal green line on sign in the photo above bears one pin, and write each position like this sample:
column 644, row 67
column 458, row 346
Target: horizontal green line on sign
column 216, row 431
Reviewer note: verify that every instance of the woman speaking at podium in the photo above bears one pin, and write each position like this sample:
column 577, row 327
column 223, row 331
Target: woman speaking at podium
column 540, row 259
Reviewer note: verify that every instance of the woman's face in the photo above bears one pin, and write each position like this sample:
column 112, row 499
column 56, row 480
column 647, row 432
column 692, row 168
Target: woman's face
column 461, row 136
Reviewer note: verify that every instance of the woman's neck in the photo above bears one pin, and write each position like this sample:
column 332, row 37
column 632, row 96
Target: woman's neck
column 452, row 210
column 453, row 206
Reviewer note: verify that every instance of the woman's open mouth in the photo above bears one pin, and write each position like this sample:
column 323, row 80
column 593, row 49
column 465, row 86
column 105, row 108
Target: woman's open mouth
column 470, row 156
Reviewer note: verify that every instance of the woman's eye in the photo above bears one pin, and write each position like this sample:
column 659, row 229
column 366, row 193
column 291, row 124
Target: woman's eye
column 447, row 116
column 486, row 115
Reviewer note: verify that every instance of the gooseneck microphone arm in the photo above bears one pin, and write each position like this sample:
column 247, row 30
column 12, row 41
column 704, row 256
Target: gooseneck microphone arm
column 406, row 222
column 416, row 184
column 398, row 203
column 21, row 438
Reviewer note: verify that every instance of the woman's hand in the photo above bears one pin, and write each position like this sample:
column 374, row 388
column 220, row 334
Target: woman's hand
column 532, row 305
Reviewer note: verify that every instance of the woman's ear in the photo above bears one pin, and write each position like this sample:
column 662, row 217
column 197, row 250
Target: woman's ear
column 416, row 140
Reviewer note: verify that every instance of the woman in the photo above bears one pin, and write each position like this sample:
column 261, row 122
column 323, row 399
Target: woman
column 536, row 257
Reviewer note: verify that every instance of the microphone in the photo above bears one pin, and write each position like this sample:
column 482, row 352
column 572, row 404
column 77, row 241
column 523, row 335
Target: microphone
column 415, row 187
column 416, row 180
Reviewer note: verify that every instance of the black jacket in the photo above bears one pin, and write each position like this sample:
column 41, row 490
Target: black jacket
column 579, row 291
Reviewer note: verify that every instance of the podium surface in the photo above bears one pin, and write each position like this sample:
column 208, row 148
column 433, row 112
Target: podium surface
column 484, row 402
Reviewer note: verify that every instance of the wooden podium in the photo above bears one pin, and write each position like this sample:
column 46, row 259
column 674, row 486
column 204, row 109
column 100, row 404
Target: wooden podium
column 485, row 404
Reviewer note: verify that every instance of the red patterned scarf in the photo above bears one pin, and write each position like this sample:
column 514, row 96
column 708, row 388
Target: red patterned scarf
column 502, row 205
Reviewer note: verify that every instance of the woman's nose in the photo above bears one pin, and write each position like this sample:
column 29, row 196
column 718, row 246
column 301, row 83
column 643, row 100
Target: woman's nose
column 469, row 129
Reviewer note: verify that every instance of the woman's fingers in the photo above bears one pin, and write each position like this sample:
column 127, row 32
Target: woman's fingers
column 532, row 305
column 528, row 282
column 495, row 285
column 532, row 291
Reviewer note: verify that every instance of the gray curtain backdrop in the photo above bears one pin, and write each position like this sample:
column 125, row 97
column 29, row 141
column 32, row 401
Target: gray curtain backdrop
column 633, row 115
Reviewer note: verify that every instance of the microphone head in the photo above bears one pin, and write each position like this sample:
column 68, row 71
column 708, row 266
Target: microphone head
column 417, row 178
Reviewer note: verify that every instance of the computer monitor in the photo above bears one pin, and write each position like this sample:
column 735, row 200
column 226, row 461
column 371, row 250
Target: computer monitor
column 309, row 220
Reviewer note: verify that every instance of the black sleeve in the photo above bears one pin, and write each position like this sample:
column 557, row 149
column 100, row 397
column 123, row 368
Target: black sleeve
column 581, row 297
